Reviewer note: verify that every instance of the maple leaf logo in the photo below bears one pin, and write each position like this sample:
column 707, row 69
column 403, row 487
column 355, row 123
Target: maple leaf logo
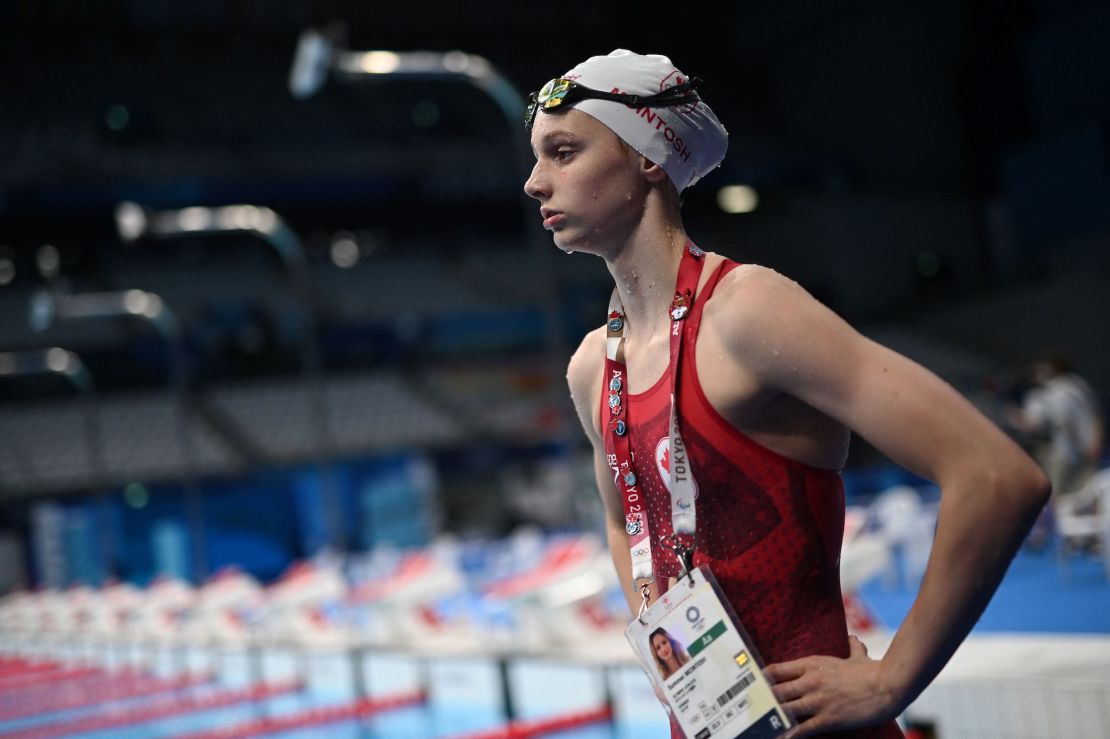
column 663, row 463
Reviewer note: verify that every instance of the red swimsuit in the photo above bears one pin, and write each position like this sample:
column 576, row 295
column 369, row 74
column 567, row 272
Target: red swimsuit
column 770, row 528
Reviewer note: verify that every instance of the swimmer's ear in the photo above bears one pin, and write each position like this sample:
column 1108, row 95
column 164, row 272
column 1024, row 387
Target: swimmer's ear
column 652, row 172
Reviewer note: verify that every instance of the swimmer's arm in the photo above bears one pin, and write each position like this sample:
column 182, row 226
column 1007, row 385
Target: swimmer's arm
column 991, row 491
column 583, row 377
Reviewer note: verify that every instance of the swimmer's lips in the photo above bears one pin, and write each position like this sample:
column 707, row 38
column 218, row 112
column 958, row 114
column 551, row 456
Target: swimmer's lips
column 551, row 218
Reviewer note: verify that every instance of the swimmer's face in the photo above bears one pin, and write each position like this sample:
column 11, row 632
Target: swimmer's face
column 590, row 185
column 662, row 646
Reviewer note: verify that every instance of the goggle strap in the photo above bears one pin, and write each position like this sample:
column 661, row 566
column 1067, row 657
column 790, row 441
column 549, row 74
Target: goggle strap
column 678, row 95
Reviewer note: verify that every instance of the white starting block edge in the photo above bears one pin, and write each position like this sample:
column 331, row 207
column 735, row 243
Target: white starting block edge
column 1029, row 685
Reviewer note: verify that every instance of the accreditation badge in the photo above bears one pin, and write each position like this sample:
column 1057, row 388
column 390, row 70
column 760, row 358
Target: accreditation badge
column 698, row 655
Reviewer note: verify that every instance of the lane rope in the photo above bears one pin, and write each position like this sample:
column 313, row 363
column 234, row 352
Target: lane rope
column 361, row 708
column 107, row 688
column 195, row 702
column 545, row 726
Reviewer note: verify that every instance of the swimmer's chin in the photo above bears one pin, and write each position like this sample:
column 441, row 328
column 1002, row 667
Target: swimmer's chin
column 563, row 245
column 576, row 246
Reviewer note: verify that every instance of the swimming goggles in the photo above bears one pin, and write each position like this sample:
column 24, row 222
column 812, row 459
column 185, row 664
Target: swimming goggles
column 561, row 92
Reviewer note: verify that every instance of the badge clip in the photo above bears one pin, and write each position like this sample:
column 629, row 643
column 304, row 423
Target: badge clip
column 685, row 555
column 645, row 593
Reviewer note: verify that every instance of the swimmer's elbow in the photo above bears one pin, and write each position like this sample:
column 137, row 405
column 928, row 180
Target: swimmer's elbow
column 1022, row 486
column 1037, row 487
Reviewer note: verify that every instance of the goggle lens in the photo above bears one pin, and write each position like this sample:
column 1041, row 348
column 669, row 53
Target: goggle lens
column 552, row 94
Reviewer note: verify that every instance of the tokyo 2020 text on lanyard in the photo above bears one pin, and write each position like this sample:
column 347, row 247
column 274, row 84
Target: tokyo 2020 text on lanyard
column 618, row 449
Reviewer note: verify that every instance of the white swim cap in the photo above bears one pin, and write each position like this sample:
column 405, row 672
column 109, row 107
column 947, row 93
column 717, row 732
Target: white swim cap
column 686, row 141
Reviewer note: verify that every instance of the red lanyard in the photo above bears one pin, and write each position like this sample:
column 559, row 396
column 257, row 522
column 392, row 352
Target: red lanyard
column 618, row 451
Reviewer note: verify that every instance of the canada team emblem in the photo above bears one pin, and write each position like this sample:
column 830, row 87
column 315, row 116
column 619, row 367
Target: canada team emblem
column 663, row 465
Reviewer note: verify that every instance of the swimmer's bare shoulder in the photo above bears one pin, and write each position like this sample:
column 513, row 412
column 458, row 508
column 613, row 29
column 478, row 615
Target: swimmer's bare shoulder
column 747, row 301
column 770, row 325
column 774, row 338
column 584, row 379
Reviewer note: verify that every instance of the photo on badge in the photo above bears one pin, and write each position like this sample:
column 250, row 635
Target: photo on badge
column 699, row 657
column 669, row 654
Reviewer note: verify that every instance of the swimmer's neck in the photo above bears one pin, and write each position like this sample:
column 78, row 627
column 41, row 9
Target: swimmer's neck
column 644, row 271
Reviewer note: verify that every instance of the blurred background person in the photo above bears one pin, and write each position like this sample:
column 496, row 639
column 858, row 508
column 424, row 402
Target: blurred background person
column 1062, row 423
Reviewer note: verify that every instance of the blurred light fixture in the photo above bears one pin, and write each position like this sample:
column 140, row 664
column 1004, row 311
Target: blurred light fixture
column 52, row 361
column 344, row 250
column 130, row 221
column 194, row 219
column 47, row 307
column 58, row 360
column 379, row 62
column 413, row 63
column 142, row 303
column 48, row 261
column 134, row 222
column 244, row 218
column 310, row 64
column 320, row 52
column 737, row 199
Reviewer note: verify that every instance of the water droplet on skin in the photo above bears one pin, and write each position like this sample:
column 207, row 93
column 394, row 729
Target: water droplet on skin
column 776, row 352
column 567, row 251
